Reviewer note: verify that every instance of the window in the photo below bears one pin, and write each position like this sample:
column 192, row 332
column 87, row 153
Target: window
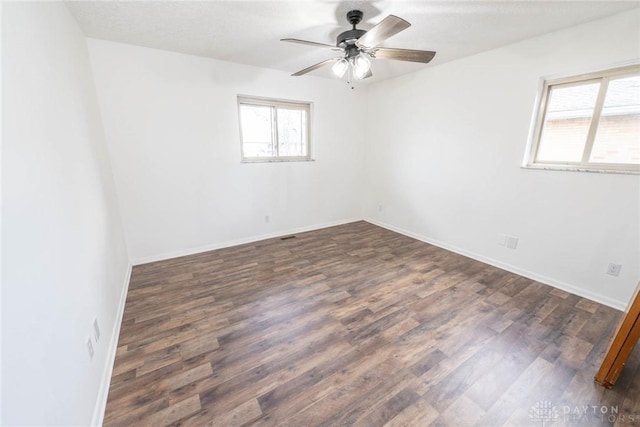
column 589, row 122
column 274, row 130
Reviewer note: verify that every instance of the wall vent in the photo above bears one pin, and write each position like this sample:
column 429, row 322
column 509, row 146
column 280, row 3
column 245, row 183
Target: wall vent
column 287, row 237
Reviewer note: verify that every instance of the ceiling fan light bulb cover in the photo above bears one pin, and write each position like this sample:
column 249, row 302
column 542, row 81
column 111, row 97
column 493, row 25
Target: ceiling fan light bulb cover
column 340, row 67
column 361, row 66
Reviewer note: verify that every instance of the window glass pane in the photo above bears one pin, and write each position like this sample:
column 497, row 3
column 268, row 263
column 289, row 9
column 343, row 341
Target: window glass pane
column 257, row 138
column 618, row 136
column 566, row 122
column 273, row 129
column 292, row 125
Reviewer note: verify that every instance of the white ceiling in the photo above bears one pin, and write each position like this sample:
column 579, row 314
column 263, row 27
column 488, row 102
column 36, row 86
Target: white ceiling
column 248, row 32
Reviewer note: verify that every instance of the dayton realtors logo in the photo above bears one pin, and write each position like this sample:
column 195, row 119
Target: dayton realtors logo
column 546, row 412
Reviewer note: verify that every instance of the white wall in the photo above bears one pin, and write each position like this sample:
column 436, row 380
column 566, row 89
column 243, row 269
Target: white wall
column 172, row 129
column 445, row 147
column 64, row 258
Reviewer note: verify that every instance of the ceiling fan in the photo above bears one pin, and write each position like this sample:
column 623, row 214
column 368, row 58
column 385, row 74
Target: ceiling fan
column 358, row 46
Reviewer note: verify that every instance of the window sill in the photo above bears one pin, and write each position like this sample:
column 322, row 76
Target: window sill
column 277, row 160
column 569, row 168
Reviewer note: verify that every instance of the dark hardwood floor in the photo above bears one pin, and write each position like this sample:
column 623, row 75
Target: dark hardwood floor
column 358, row 325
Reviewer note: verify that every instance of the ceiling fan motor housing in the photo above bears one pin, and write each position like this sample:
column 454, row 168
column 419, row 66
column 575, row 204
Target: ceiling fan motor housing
column 349, row 38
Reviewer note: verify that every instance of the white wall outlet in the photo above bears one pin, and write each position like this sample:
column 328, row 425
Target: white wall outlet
column 380, row 207
column 96, row 330
column 512, row 242
column 90, row 348
column 507, row 241
column 614, row 269
column 267, row 218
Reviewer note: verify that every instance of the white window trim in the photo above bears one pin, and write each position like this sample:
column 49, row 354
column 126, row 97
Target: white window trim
column 274, row 102
column 537, row 120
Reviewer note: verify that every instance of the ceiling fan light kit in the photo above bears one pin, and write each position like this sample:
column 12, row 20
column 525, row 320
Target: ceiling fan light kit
column 359, row 46
column 359, row 65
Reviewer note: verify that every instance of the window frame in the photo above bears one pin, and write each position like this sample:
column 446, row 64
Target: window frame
column 603, row 76
column 275, row 104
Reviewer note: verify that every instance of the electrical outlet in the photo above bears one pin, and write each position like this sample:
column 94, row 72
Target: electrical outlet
column 267, row 218
column 380, row 207
column 90, row 348
column 614, row 269
column 96, row 330
column 507, row 241
column 512, row 242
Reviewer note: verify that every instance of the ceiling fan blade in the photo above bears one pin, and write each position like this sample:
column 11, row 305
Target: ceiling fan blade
column 309, row 43
column 412, row 55
column 386, row 28
column 315, row 66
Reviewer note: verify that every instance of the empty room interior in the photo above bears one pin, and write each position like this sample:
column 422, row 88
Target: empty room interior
column 300, row 213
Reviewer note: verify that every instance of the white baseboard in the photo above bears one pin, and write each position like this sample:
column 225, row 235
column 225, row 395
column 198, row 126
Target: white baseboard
column 105, row 382
column 214, row 246
column 602, row 299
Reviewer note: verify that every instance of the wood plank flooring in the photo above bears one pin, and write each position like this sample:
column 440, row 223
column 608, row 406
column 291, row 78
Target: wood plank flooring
column 358, row 325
